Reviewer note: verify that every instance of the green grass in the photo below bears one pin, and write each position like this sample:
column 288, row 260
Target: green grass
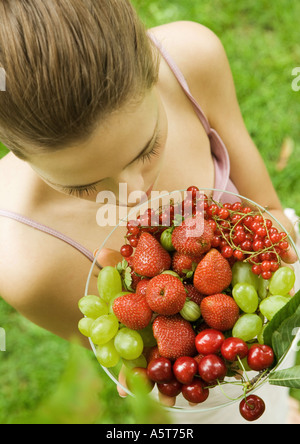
column 262, row 46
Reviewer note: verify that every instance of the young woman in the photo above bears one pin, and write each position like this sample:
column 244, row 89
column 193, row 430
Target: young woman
column 92, row 101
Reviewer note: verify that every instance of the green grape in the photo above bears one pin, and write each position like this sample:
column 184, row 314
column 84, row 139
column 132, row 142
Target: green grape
column 282, row 281
column 270, row 306
column 129, row 344
column 84, row 326
column 107, row 355
column 242, row 273
column 92, row 307
column 104, row 329
column 263, row 288
column 109, row 283
column 191, row 311
column 111, row 302
column 246, row 297
column 140, row 362
column 147, row 336
column 260, row 337
column 166, row 240
column 247, row 327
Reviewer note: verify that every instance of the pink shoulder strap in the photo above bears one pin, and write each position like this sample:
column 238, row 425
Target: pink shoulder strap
column 31, row 223
column 182, row 81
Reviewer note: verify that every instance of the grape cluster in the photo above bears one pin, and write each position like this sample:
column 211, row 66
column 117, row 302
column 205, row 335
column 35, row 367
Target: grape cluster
column 258, row 299
column 112, row 340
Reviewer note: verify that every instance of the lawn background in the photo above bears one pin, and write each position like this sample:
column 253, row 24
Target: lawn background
column 44, row 378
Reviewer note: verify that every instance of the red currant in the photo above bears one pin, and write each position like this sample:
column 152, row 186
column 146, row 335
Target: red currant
column 133, row 240
column 239, row 255
column 224, row 213
column 266, row 266
column 126, row 251
column 212, row 210
column 227, row 251
column 256, row 269
column 266, row 275
column 216, row 241
column 193, row 190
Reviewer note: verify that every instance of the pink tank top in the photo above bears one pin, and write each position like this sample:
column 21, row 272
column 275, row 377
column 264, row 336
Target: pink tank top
column 218, row 149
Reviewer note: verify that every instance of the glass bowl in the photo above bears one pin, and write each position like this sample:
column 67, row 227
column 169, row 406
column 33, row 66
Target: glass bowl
column 222, row 395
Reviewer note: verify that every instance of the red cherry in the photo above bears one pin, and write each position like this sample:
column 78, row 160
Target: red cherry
column 160, row 370
column 172, row 388
column 184, row 369
column 252, row 408
column 212, row 368
column 260, row 357
column 233, row 348
column 196, row 392
column 209, row 341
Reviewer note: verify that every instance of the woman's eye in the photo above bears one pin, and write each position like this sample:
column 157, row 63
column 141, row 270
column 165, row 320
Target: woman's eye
column 153, row 153
column 81, row 192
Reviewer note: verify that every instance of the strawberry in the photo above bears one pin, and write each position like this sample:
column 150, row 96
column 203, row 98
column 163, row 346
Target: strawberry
column 142, row 287
column 193, row 294
column 213, row 273
column 184, row 265
column 175, row 337
column 220, row 311
column 166, row 294
column 133, row 311
column 193, row 236
column 150, row 258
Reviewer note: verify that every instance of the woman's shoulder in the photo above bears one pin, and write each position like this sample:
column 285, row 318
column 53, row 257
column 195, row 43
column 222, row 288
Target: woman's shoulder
column 198, row 52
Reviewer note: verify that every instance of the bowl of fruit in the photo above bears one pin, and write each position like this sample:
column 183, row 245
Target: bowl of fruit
column 202, row 301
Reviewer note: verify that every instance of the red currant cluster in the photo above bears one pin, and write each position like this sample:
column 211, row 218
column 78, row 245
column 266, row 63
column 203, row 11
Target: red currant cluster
column 244, row 234
column 241, row 233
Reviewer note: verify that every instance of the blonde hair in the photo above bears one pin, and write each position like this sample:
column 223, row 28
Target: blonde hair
column 68, row 65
